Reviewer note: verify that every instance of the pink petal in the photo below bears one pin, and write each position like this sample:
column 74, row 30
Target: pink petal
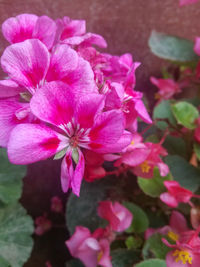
column 135, row 157
column 163, row 169
column 72, row 28
column 54, row 103
column 78, row 174
column 178, row 222
column 142, row 111
column 169, row 200
column 105, row 260
column 45, row 31
column 187, row 2
column 124, row 215
column 26, row 63
column 9, row 88
column 88, row 108
column 63, row 60
column 197, row 46
column 18, row 29
column 108, row 129
column 29, row 143
column 8, row 119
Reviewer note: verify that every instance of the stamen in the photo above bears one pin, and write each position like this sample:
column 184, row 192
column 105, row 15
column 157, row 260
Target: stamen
column 99, row 256
column 182, row 255
column 145, row 167
column 173, row 236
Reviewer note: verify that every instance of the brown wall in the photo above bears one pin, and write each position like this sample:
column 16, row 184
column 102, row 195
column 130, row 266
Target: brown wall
column 126, row 25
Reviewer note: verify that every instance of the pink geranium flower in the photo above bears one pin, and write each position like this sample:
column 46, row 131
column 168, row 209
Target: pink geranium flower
column 167, row 88
column 177, row 225
column 119, row 217
column 176, row 194
column 88, row 249
column 29, row 26
column 79, row 123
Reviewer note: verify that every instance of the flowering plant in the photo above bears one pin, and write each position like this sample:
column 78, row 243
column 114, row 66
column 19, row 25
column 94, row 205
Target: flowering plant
column 62, row 98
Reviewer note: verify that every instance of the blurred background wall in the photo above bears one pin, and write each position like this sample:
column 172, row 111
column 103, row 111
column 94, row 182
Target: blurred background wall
column 126, row 25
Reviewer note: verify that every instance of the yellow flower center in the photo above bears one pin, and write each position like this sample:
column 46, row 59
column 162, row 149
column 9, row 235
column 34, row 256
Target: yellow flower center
column 173, row 236
column 145, row 167
column 156, row 96
column 132, row 142
column 182, row 255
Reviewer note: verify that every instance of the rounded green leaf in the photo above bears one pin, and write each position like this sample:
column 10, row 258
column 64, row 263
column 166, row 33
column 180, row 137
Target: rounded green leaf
column 10, row 179
column 185, row 114
column 140, row 220
column 171, row 47
column 153, row 187
column 152, row 263
column 16, row 228
column 163, row 111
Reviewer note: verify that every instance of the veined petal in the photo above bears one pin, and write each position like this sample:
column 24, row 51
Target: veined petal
column 18, row 29
column 63, row 60
column 45, row 31
column 54, row 103
column 108, row 128
column 9, row 88
column 26, row 63
column 29, row 143
column 8, row 119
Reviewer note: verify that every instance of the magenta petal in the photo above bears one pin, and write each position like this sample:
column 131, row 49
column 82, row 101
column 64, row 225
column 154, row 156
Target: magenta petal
column 197, row 46
column 18, row 29
column 9, row 88
column 29, row 143
column 169, row 200
column 108, row 128
column 72, row 28
column 45, row 31
column 142, row 112
column 54, row 103
column 135, row 157
column 63, row 60
column 67, row 172
column 26, row 63
column 178, row 222
column 105, row 260
column 8, row 119
column 78, row 174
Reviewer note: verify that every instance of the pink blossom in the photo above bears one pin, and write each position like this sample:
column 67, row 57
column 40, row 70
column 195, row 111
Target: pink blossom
column 56, row 204
column 197, row 46
column 176, row 194
column 167, row 88
column 43, row 224
column 187, row 2
column 186, row 251
column 80, row 123
column 146, row 168
column 88, row 249
column 119, row 217
column 28, row 26
column 177, row 225
column 73, row 32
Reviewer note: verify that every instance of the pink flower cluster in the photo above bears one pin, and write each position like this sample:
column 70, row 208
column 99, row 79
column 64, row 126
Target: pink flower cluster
column 61, row 97
column 94, row 248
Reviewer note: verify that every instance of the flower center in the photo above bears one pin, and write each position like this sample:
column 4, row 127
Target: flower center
column 145, row 167
column 74, row 141
column 99, row 256
column 173, row 236
column 182, row 255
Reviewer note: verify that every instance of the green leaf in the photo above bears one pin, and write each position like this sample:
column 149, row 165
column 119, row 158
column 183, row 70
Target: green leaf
column 75, row 155
column 133, row 242
column 124, row 257
column 16, row 228
column 175, row 146
column 171, row 47
column 83, row 210
column 186, row 114
column 140, row 220
column 155, row 246
column 153, row 187
column 152, row 263
column 163, row 111
column 10, row 179
column 187, row 175
column 197, row 150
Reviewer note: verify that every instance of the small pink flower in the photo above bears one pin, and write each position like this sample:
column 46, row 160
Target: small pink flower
column 43, row 224
column 167, row 88
column 29, row 26
column 88, row 249
column 119, row 217
column 176, row 194
column 176, row 227
column 56, row 204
